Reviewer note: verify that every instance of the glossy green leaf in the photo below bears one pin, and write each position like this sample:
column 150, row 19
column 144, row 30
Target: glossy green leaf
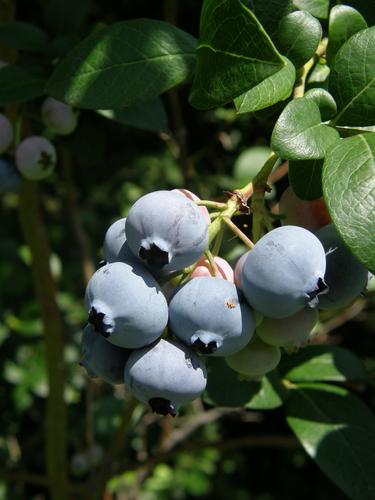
column 352, row 80
column 317, row 8
column 17, row 85
column 124, row 64
column 305, row 177
column 150, row 115
column 349, row 192
column 273, row 89
column 299, row 133
column 226, row 388
column 234, row 54
column 23, row 36
column 318, row 78
column 270, row 394
column 322, row 363
column 337, row 430
column 298, row 37
column 270, row 12
column 344, row 21
column 324, row 100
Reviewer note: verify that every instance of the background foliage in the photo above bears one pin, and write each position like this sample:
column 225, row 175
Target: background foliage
column 138, row 133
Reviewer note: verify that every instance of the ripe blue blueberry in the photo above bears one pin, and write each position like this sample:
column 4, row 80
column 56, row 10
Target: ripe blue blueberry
column 166, row 230
column 101, row 358
column 255, row 360
column 208, row 313
column 284, row 272
column 345, row 276
column 291, row 332
column 9, row 177
column 35, row 158
column 58, row 117
column 6, row 133
column 116, row 248
column 238, row 270
column 165, row 376
column 126, row 305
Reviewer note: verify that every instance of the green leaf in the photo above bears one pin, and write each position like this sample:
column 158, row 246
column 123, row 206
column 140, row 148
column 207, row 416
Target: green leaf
column 344, row 22
column 23, row 36
column 234, row 54
column 269, row 395
column 349, row 192
column 318, row 76
column 324, row 101
column 150, row 115
column 337, row 430
column 299, row 133
column 322, row 363
column 317, row 8
column 305, row 177
column 124, row 64
column 17, row 85
column 269, row 13
column 352, row 80
column 225, row 388
column 298, row 37
column 273, row 89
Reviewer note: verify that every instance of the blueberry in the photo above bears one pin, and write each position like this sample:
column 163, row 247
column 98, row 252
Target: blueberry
column 116, row 248
column 255, row 360
column 291, row 332
column 208, row 314
column 58, row 117
column 126, row 305
column 284, row 272
column 6, row 133
column 345, row 276
column 238, row 270
column 101, row 358
column 193, row 197
column 166, row 230
column 35, row 158
column 10, row 179
column 165, row 376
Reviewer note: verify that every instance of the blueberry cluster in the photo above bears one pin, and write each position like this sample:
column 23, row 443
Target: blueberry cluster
column 35, row 156
column 157, row 306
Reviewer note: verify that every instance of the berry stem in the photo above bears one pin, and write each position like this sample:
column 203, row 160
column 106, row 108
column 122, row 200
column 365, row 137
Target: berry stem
column 237, row 231
column 211, row 204
column 213, row 267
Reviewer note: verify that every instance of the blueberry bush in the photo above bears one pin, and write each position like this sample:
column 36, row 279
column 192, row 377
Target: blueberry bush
column 187, row 249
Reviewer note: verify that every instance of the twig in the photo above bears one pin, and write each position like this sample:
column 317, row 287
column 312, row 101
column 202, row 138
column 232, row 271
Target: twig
column 35, row 235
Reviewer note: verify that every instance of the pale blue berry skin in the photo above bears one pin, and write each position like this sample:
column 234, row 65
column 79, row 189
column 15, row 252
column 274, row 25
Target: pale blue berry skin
column 168, row 370
column 116, row 248
column 238, row 270
column 345, row 275
column 133, row 309
column 211, row 311
column 10, row 179
column 170, row 223
column 284, row 272
column 101, row 358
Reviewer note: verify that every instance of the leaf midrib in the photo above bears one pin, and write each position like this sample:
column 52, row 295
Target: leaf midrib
column 126, row 64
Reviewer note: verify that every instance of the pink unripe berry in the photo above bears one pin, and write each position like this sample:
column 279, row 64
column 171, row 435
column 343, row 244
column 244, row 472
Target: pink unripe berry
column 193, row 197
column 6, row 133
column 35, row 158
column 58, row 117
column 203, row 268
